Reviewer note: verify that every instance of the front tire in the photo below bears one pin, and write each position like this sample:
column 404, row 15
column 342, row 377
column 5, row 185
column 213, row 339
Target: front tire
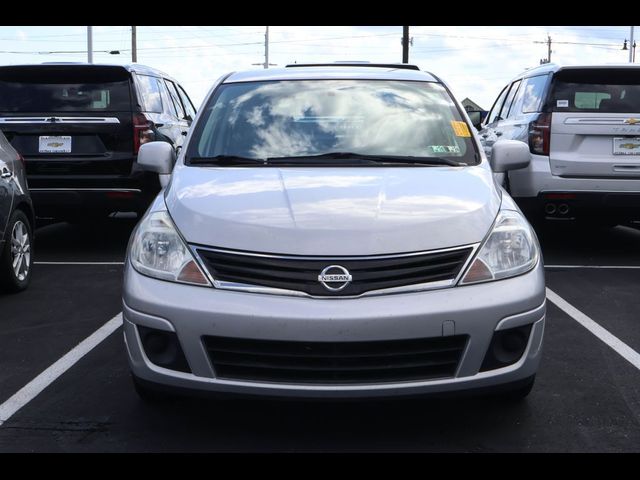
column 16, row 258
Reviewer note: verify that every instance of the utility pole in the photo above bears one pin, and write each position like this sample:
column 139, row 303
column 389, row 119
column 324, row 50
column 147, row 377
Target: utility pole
column 90, row 44
column 632, row 48
column 548, row 59
column 548, row 48
column 405, row 44
column 134, row 51
column 266, row 63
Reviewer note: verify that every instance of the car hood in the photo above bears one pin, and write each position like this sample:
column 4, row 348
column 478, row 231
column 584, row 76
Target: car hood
column 333, row 211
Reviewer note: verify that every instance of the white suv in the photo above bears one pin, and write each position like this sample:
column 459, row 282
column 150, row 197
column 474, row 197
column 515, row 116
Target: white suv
column 582, row 125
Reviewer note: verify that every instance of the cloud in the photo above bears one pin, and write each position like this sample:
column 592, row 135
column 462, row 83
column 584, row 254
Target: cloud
column 476, row 61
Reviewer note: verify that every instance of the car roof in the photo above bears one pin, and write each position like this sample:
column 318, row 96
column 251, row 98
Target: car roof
column 130, row 67
column 308, row 72
column 556, row 67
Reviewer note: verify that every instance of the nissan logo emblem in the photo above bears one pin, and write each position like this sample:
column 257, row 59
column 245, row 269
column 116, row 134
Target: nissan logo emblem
column 334, row 278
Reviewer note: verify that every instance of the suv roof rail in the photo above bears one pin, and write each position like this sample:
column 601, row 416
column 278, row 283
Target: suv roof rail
column 404, row 66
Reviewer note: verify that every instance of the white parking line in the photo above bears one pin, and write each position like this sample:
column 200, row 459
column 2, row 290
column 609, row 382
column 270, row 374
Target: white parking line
column 78, row 263
column 629, row 267
column 47, row 377
column 624, row 350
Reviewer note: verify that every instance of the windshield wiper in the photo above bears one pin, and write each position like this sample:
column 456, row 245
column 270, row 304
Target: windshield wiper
column 326, row 158
column 348, row 158
column 225, row 160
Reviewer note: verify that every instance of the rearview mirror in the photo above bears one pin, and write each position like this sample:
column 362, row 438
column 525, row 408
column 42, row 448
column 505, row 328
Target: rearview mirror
column 157, row 157
column 509, row 155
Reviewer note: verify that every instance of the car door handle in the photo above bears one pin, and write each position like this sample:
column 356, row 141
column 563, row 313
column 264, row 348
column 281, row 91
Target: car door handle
column 6, row 173
column 159, row 124
column 498, row 134
column 185, row 133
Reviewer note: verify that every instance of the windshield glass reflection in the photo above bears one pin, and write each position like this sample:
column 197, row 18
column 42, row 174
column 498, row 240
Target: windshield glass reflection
column 302, row 118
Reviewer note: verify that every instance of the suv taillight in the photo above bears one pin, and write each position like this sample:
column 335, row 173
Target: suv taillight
column 540, row 134
column 142, row 131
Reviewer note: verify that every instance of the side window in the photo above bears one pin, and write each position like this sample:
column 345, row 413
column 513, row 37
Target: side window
column 149, row 93
column 186, row 101
column 175, row 97
column 529, row 97
column 167, row 103
column 493, row 114
column 507, row 111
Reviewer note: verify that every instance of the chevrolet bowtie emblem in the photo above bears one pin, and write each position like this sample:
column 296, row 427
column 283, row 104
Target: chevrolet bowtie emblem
column 631, row 121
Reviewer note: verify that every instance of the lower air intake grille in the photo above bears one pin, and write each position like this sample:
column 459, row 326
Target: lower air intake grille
column 335, row 362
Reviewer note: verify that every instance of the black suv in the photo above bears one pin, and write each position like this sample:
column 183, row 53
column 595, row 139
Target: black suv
column 79, row 128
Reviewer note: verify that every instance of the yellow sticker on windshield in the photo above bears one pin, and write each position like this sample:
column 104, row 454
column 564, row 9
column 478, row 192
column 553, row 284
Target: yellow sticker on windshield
column 460, row 129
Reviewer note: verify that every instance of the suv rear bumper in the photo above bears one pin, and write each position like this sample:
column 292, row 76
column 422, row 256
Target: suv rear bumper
column 63, row 196
column 535, row 189
column 568, row 205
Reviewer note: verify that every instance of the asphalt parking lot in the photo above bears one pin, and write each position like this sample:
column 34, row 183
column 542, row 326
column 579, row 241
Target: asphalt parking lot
column 586, row 397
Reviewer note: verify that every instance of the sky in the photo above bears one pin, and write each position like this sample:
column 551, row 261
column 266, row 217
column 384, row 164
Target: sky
column 476, row 61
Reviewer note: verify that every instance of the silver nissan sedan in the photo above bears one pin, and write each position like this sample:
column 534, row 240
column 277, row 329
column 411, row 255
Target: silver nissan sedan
column 333, row 231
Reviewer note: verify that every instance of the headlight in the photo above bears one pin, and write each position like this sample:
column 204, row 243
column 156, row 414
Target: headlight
column 511, row 249
column 158, row 251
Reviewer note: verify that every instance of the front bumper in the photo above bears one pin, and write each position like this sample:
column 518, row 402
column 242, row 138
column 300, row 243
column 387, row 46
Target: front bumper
column 475, row 310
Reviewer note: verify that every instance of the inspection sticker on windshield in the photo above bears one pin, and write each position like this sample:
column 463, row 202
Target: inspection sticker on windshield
column 460, row 129
column 562, row 103
column 444, row 148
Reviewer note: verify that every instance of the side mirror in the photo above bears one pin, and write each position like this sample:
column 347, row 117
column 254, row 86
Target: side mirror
column 157, row 157
column 509, row 155
column 476, row 117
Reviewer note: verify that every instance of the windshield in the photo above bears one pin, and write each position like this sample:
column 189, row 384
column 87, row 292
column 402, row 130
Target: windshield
column 311, row 118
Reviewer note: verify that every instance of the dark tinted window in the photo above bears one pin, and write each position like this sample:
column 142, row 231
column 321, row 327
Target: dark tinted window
column 315, row 117
column 186, row 101
column 614, row 90
column 175, row 97
column 59, row 89
column 150, row 93
column 529, row 96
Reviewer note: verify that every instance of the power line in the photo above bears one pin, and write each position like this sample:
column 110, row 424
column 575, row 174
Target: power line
column 114, row 32
column 187, row 47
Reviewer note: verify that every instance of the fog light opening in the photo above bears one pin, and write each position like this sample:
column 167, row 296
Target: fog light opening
column 506, row 348
column 510, row 346
column 163, row 349
column 156, row 344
